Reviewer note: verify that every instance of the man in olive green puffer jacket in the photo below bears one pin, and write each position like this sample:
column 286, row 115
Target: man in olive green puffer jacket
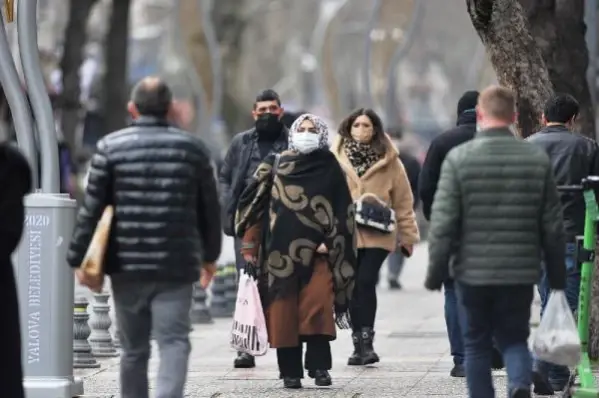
column 495, row 214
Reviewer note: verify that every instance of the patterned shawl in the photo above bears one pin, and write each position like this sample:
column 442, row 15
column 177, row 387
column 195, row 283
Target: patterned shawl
column 306, row 203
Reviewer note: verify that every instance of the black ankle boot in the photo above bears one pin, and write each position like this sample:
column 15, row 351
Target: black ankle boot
column 368, row 355
column 292, row 382
column 244, row 361
column 355, row 358
column 322, row 378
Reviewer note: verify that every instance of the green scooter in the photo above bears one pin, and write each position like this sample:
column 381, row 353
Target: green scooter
column 582, row 383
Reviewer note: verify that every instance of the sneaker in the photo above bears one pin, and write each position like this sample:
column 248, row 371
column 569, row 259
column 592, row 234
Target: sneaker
column 458, row 371
column 394, row 284
column 541, row 384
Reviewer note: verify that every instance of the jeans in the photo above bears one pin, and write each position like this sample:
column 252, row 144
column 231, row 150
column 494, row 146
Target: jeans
column 502, row 312
column 318, row 357
column 364, row 302
column 558, row 375
column 454, row 318
column 395, row 262
column 158, row 307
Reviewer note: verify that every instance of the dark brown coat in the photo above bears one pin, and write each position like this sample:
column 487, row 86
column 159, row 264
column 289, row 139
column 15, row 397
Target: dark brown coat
column 299, row 316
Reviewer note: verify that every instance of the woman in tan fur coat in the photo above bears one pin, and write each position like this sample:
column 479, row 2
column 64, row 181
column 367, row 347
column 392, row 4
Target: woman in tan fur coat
column 384, row 215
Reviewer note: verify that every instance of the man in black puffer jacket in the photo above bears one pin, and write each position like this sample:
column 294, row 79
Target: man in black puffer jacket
column 166, row 229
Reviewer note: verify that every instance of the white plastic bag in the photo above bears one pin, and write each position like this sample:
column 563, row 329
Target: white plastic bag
column 249, row 333
column 556, row 339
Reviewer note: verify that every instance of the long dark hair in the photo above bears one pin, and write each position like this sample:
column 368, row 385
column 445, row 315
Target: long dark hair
column 378, row 138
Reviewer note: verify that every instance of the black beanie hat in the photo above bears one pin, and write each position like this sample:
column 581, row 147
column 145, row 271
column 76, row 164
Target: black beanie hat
column 467, row 101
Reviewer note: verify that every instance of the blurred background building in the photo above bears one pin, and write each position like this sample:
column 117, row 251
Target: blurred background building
column 408, row 59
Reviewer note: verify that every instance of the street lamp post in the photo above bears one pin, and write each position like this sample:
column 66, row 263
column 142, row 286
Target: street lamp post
column 44, row 281
column 15, row 95
column 376, row 8
column 391, row 104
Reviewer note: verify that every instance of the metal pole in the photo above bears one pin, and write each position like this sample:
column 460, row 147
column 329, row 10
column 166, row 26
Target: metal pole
column 215, row 58
column 15, row 95
column 328, row 12
column 590, row 16
column 38, row 95
column 391, row 104
column 376, row 8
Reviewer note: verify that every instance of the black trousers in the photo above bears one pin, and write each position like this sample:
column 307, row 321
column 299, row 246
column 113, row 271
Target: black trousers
column 318, row 357
column 364, row 303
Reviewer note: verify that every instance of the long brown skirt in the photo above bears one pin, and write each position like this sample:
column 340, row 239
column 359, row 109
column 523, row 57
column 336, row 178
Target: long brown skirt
column 298, row 317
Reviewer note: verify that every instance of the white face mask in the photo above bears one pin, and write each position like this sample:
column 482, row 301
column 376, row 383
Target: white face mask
column 305, row 142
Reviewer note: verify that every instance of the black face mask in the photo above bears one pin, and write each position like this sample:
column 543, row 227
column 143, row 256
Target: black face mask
column 268, row 125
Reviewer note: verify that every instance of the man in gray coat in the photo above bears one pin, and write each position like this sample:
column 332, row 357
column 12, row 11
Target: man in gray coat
column 495, row 213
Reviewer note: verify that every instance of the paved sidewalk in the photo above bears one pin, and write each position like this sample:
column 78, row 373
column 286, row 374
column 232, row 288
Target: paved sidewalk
column 411, row 341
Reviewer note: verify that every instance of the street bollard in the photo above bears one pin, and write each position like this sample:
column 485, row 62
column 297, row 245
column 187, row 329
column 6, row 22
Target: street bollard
column 200, row 313
column 231, row 291
column 116, row 340
column 46, row 293
column 82, row 351
column 218, row 303
column 100, row 339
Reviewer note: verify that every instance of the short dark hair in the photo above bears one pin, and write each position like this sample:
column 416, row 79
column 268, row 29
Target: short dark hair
column 267, row 95
column 152, row 97
column 378, row 141
column 561, row 108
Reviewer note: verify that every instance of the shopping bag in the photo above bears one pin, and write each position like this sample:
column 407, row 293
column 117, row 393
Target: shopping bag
column 556, row 340
column 91, row 271
column 249, row 334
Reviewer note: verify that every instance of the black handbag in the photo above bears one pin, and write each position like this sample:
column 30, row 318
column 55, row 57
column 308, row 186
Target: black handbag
column 373, row 213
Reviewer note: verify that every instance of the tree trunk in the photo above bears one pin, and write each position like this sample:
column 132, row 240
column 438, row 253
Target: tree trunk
column 116, row 87
column 503, row 29
column 559, row 30
column 72, row 58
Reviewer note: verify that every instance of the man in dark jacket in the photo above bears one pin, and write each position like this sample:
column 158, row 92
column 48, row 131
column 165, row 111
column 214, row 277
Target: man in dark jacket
column 15, row 177
column 395, row 261
column 573, row 157
column 496, row 211
column 246, row 152
column 429, row 178
column 166, row 230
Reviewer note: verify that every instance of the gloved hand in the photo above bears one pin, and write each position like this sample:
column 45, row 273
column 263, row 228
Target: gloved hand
column 432, row 285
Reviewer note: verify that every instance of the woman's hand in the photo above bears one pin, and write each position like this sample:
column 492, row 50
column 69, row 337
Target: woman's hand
column 407, row 250
column 322, row 249
column 249, row 258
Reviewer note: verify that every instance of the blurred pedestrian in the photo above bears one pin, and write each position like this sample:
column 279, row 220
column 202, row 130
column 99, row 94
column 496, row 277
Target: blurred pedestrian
column 429, row 179
column 15, row 177
column 165, row 233
column 384, row 215
column 573, row 157
column 396, row 259
column 306, row 258
column 496, row 214
column 248, row 149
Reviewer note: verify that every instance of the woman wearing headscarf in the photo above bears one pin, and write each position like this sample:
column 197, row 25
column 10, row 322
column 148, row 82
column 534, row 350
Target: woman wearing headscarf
column 297, row 227
column 385, row 217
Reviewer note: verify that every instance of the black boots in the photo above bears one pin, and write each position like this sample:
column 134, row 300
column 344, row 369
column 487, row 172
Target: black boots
column 363, row 348
column 355, row 358
column 322, row 378
column 244, row 361
column 292, row 382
